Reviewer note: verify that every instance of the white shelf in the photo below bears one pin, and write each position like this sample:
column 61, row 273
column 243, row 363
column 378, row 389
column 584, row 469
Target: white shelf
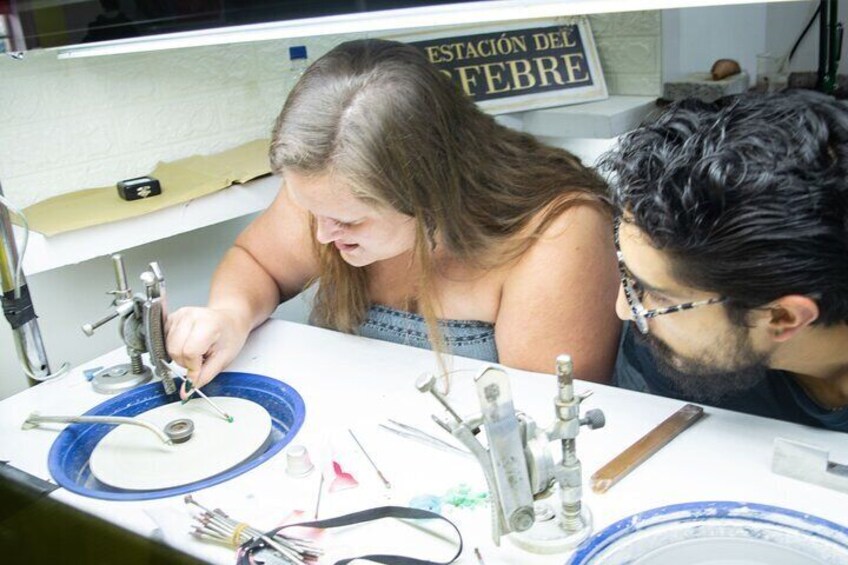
column 597, row 120
column 46, row 253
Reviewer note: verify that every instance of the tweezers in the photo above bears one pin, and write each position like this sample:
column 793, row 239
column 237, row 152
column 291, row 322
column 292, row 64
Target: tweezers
column 411, row 432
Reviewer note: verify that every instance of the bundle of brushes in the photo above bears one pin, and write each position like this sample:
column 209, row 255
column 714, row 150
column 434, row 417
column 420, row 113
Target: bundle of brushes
column 216, row 526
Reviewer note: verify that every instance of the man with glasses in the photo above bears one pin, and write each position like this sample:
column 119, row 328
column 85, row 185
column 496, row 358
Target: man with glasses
column 732, row 243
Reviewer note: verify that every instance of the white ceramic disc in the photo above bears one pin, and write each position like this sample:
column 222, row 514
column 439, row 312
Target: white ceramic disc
column 133, row 458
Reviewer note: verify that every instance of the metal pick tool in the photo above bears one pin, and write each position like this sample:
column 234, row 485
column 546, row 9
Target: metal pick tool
column 223, row 414
column 368, row 457
column 217, row 408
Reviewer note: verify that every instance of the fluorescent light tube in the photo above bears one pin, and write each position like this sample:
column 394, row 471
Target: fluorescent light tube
column 400, row 19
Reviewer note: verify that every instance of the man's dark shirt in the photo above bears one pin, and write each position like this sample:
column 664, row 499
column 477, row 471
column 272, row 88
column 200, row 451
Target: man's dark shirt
column 776, row 396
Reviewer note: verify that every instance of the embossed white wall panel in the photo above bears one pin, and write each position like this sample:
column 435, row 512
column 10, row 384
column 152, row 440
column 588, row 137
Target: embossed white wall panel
column 80, row 123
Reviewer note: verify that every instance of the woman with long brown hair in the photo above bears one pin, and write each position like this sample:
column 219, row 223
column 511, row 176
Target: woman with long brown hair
column 420, row 220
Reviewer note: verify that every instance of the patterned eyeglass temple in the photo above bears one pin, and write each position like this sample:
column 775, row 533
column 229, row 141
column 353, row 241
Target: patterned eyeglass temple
column 630, row 286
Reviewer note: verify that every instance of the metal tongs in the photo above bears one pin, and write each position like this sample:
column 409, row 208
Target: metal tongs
column 411, row 432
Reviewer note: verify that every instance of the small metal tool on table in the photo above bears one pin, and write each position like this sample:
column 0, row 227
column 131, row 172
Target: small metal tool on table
column 413, row 433
column 380, row 474
column 808, row 463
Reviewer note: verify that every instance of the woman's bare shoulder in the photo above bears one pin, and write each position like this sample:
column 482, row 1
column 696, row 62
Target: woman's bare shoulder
column 582, row 216
column 281, row 240
column 585, row 226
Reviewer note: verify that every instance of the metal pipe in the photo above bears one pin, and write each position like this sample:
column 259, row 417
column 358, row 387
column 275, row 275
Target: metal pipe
column 18, row 308
column 122, row 291
column 568, row 412
column 830, row 44
column 34, row 419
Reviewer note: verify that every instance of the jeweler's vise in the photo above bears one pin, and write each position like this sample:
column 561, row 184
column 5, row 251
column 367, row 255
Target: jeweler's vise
column 141, row 327
column 518, row 460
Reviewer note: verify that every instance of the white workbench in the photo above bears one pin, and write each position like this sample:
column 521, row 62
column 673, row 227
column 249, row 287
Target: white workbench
column 350, row 382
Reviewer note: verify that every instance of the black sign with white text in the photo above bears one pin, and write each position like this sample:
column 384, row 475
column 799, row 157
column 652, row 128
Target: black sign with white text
column 501, row 64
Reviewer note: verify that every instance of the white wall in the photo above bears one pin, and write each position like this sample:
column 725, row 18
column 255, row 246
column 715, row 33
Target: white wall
column 80, row 123
column 694, row 38
column 784, row 25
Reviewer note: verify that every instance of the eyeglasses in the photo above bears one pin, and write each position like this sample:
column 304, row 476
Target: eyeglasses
column 634, row 293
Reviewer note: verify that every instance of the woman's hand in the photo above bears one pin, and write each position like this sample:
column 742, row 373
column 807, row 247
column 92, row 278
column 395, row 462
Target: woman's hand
column 204, row 341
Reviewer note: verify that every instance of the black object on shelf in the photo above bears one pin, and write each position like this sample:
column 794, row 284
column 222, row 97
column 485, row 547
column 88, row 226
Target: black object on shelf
column 138, row 188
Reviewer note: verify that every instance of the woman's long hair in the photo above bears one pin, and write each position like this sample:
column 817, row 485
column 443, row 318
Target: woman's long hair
column 377, row 115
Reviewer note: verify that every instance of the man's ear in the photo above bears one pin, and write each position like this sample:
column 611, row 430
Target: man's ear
column 790, row 314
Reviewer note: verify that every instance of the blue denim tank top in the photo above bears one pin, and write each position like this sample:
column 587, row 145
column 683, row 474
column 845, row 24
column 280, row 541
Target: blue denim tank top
column 467, row 338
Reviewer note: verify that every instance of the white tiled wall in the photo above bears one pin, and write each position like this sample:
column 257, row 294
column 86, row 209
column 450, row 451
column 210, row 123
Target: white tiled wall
column 80, row 123
column 630, row 50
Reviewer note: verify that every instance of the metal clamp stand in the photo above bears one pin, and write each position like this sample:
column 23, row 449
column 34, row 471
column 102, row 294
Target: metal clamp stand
column 16, row 304
column 519, row 465
column 141, row 327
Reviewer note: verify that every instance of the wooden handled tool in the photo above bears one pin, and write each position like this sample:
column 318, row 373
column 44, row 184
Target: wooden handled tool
column 646, row 446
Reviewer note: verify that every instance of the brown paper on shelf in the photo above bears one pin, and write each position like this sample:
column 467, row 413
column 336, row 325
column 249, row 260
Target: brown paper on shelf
column 181, row 181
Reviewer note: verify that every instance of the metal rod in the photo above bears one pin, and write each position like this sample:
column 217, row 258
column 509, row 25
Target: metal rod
column 223, row 414
column 122, row 290
column 318, row 498
column 190, row 393
column 368, row 457
column 34, row 419
column 170, row 365
column 426, row 383
column 88, row 329
column 18, row 306
column 428, row 530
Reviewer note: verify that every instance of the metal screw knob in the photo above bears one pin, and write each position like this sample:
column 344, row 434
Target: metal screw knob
column 425, row 382
column 522, row 519
column 594, row 419
column 564, row 364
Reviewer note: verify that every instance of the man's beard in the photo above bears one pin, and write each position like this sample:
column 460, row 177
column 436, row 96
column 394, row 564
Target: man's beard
column 730, row 367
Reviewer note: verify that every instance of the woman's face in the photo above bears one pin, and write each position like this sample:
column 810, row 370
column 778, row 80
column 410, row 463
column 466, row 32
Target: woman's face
column 363, row 233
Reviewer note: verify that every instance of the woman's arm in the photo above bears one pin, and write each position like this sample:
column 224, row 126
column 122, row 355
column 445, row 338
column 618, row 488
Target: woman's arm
column 560, row 298
column 270, row 262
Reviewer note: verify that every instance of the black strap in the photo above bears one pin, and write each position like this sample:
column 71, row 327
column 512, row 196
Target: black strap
column 18, row 311
column 356, row 518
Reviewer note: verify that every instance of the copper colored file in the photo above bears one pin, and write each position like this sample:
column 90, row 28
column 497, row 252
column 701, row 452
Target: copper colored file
column 646, row 446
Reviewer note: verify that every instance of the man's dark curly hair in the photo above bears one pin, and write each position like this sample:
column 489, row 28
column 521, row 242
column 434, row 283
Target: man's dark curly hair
column 747, row 196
